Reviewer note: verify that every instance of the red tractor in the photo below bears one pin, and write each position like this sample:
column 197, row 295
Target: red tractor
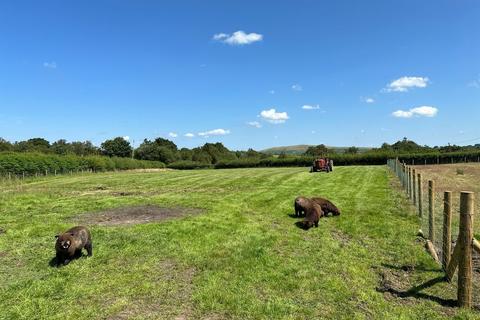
column 322, row 164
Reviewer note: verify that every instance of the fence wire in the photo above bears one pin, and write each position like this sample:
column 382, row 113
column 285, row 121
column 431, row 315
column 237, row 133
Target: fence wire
column 442, row 182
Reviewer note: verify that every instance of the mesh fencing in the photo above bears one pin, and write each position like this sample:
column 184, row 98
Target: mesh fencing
column 432, row 212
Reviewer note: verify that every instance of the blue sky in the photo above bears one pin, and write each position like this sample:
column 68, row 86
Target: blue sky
column 369, row 71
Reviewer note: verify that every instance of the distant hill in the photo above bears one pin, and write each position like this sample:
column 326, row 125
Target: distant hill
column 301, row 148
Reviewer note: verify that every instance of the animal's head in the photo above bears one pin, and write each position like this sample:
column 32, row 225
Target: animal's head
column 301, row 201
column 307, row 225
column 64, row 241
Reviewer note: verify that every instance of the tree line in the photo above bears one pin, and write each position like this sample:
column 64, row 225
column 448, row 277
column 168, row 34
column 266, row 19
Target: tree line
column 218, row 156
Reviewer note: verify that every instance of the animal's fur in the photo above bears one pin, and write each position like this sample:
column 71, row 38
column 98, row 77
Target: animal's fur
column 298, row 204
column 327, row 206
column 69, row 244
column 313, row 212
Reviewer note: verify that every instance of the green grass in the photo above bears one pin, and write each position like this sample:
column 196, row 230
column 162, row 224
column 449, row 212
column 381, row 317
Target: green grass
column 242, row 259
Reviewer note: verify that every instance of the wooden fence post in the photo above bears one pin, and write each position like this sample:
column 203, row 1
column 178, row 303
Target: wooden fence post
column 447, row 225
column 420, row 195
column 431, row 211
column 465, row 239
column 408, row 181
column 414, row 188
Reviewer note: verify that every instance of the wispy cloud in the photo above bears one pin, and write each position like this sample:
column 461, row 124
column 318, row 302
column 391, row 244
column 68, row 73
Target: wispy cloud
column 404, row 84
column 368, row 100
column 273, row 116
column 189, row 135
column 214, row 132
column 172, row 134
column 255, row 124
column 297, row 87
column 474, row 84
column 238, row 38
column 310, row 107
column 423, row 111
column 50, row 65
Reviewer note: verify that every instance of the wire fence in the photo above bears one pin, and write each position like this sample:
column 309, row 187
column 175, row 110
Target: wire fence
column 446, row 222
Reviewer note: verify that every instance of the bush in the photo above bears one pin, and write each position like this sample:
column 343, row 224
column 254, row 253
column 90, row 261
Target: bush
column 32, row 163
column 189, row 165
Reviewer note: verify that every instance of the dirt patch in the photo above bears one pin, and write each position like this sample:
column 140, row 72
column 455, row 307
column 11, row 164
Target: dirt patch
column 394, row 282
column 342, row 238
column 396, row 285
column 172, row 303
column 134, row 215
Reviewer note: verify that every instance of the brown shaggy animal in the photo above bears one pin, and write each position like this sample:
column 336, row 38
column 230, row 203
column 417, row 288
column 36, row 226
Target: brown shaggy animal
column 69, row 244
column 299, row 209
column 313, row 212
column 327, row 206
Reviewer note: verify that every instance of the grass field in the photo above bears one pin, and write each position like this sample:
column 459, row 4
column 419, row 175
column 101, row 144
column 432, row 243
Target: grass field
column 242, row 257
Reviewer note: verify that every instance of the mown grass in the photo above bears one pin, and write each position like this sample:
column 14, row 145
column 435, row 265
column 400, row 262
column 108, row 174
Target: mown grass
column 242, row 259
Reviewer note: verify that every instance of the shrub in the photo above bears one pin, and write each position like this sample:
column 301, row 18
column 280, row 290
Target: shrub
column 32, row 163
column 189, row 165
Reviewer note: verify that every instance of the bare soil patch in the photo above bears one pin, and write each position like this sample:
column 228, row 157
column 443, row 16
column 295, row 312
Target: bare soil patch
column 342, row 238
column 174, row 303
column 396, row 284
column 134, row 215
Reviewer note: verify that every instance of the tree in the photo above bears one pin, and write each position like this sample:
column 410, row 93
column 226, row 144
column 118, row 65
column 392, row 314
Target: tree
column 217, row 151
column 408, row 146
column 32, row 145
column 199, row 155
column 61, row 147
column 158, row 150
column 318, row 151
column 185, row 154
column 118, row 147
column 352, row 150
column 85, row 148
column 5, row 145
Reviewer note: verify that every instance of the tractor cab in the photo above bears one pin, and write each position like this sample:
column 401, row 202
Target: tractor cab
column 322, row 164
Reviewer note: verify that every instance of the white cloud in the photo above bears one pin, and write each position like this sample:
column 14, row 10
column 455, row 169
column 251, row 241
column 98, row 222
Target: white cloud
column 220, row 36
column 214, row 132
column 474, row 84
column 255, row 124
column 172, row 134
column 189, row 135
column 50, row 65
column 423, row 111
column 403, row 84
column 273, row 116
column 369, row 100
column 238, row 38
column 310, row 107
column 297, row 87
column 126, row 138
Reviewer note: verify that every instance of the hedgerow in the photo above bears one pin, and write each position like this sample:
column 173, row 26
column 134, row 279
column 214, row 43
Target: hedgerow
column 39, row 163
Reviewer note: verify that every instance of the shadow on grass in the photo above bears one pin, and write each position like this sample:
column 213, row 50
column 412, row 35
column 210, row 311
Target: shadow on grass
column 301, row 225
column 293, row 215
column 54, row 263
column 415, row 292
column 410, row 268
